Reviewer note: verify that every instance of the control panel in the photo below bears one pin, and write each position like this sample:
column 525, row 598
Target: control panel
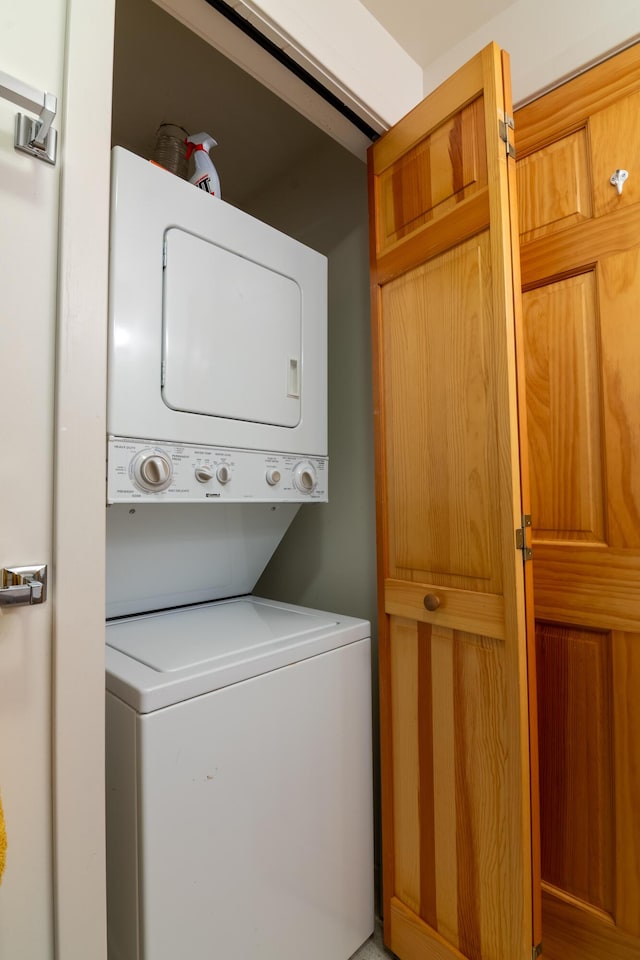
column 147, row 471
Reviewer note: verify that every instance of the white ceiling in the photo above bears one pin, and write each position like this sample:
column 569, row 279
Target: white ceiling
column 428, row 28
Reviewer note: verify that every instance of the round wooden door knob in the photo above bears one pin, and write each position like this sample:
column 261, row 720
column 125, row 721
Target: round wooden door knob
column 432, row 601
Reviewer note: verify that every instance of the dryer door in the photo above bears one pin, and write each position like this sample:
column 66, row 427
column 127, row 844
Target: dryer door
column 231, row 334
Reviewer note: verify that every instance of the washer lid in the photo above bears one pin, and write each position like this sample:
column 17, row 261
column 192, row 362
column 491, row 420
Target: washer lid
column 154, row 660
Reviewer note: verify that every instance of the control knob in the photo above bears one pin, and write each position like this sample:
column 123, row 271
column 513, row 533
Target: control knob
column 223, row 474
column 204, row 474
column 152, row 470
column 305, row 478
column 273, row 476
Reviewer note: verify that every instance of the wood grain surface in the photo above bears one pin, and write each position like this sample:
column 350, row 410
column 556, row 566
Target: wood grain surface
column 581, row 269
column 457, row 808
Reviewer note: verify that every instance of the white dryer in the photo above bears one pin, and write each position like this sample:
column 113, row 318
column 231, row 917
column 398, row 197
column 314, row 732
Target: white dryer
column 217, row 349
column 239, row 782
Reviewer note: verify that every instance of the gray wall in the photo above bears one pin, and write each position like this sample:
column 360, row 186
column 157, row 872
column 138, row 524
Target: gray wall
column 327, row 559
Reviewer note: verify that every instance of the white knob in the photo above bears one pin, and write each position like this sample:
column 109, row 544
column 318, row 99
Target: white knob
column 304, row 478
column 204, row 474
column 273, row 477
column 152, row 471
column 223, row 474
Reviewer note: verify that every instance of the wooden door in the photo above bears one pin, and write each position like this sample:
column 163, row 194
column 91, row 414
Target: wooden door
column 457, row 814
column 581, row 275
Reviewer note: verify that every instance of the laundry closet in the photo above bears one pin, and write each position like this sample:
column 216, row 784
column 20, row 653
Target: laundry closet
column 279, row 167
column 244, row 723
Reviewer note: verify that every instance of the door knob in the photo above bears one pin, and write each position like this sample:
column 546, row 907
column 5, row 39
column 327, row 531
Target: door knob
column 23, row 586
column 432, row 601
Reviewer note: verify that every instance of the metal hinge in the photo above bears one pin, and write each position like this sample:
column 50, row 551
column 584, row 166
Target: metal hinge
column 536, row 952
column 504, row 126
column 521, row 537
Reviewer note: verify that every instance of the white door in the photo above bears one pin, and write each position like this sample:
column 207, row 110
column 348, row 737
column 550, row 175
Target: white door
column 31, row 49
column 51, row 701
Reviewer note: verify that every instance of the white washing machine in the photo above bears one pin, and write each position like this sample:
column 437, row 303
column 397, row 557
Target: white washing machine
column 238, row 784
column 239, row 781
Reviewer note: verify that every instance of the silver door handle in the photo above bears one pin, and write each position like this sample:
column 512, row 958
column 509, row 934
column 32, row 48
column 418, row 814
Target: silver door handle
column 36, row 137
column 22, row 586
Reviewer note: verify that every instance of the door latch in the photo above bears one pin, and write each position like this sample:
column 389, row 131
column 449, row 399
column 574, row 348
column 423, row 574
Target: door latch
column 23, row 586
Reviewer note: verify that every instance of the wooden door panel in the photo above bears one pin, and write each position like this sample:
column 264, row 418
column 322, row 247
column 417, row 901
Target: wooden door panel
column 575, row 703
column 412, row 938
column 583, row 388
column 583, row 392
column 450, row 739
column 564, row 400
column 461, row 609
column 570, row 106
column 620, row 309
column 590, row 782
column 572, row 932
column 615, row 139
column 579, row 247
column 626, row 750
column 576, row 338
column 443, row 516
column 406, row 762
column 440, row 171
column 441, row 649
column 563, row 166
column 594, row 587
column 457, row 814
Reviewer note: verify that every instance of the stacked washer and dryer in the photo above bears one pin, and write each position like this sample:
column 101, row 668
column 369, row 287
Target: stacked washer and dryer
column 239, row 783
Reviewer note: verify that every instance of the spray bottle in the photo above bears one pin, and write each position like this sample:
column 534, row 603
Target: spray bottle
column 205, row 176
